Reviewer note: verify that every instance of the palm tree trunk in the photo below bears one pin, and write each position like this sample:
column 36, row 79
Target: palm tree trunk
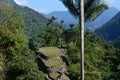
column 81, row 22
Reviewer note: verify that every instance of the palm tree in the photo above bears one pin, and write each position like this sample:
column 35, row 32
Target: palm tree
column 71, row 25
column 81, row 21
column 62, row 21
column 60, row 30
column 51, row 21
column 86, row 10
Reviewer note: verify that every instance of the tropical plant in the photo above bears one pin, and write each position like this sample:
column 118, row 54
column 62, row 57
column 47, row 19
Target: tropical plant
column 85, row 10
column 51, row 21
column 48, row 37
column 60, row 32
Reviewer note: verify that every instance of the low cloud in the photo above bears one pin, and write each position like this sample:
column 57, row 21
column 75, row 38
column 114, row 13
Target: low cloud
column 21, row 2
column 40, row 10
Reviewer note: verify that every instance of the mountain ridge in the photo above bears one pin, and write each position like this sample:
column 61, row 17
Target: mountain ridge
column 111, row 30
column 102, row 19
column 61, row 15
column 68, row 18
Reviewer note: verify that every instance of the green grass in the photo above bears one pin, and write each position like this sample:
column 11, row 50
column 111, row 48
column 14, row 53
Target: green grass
column 54, row 74
column 50, row 51
column 54, row 63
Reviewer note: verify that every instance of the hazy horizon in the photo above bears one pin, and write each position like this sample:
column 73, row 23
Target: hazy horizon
column 46, row 6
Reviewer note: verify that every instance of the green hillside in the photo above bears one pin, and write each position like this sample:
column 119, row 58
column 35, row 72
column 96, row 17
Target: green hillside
column 22, row 27
column 101, row 59
column 14, row 53
column 111, row 31
column 33, row 20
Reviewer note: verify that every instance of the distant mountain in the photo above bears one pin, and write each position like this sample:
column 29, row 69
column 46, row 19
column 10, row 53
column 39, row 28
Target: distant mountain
column 102, row 19
column 68, row 18
column 63, row 15
column 34, row 21
column 111, row 30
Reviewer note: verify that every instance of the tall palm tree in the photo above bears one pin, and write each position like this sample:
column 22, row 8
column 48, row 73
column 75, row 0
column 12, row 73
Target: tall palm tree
column 85, row 10
column 60, row 28
column 51, row 21
column 71, row 25
column 81, row 21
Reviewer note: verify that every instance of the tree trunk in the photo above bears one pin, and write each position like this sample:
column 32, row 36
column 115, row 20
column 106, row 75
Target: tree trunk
column 81, row 22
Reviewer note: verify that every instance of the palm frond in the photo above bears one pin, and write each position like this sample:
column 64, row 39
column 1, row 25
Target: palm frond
column 71, row 7
column 92, row 8
column 88, row 4
column 94, row 12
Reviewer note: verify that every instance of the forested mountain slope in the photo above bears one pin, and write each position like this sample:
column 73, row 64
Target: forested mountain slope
column 101, row 58
column 102, row 19
column 16, row 60
column 111, row 30
column 63, row 15
column 92, row 25
column 32, row 19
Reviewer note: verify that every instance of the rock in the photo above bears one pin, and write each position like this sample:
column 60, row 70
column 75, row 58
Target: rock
column 1, row 69
column 63, row 77
column 57, row 71
column 2, row 75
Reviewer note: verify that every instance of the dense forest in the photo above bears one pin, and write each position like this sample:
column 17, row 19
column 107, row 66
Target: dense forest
column 14, row 53
column 23, row 31
column 110, row 31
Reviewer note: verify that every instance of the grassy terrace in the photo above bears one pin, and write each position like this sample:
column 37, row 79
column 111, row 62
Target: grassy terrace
column 54, row 63
column 54, row 74
column 50, row 51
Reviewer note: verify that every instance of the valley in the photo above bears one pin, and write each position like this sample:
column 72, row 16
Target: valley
column 38, row 46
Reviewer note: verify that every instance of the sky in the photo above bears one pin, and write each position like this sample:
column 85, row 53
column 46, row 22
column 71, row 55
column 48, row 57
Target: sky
column 47, row 6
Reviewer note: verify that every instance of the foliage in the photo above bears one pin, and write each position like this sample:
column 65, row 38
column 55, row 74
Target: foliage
column 49, row 37
column 74, row 72
column 23, row 67
column 33, row 21
column 99, row 59
column 73, row 53
column 18, row 59
column 11, row 32
column 110, row 31
column 71, row 35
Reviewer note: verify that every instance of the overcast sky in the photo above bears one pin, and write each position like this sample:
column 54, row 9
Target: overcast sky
column 47, row 6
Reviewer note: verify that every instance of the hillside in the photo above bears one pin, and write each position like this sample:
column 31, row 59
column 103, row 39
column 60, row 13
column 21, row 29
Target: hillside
column 98, row 22
column 20, row 62
column 111, row 30
column 62, row 15
column 14, row 53
column 102, row 19
column 99, row 58
column 33, row 20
